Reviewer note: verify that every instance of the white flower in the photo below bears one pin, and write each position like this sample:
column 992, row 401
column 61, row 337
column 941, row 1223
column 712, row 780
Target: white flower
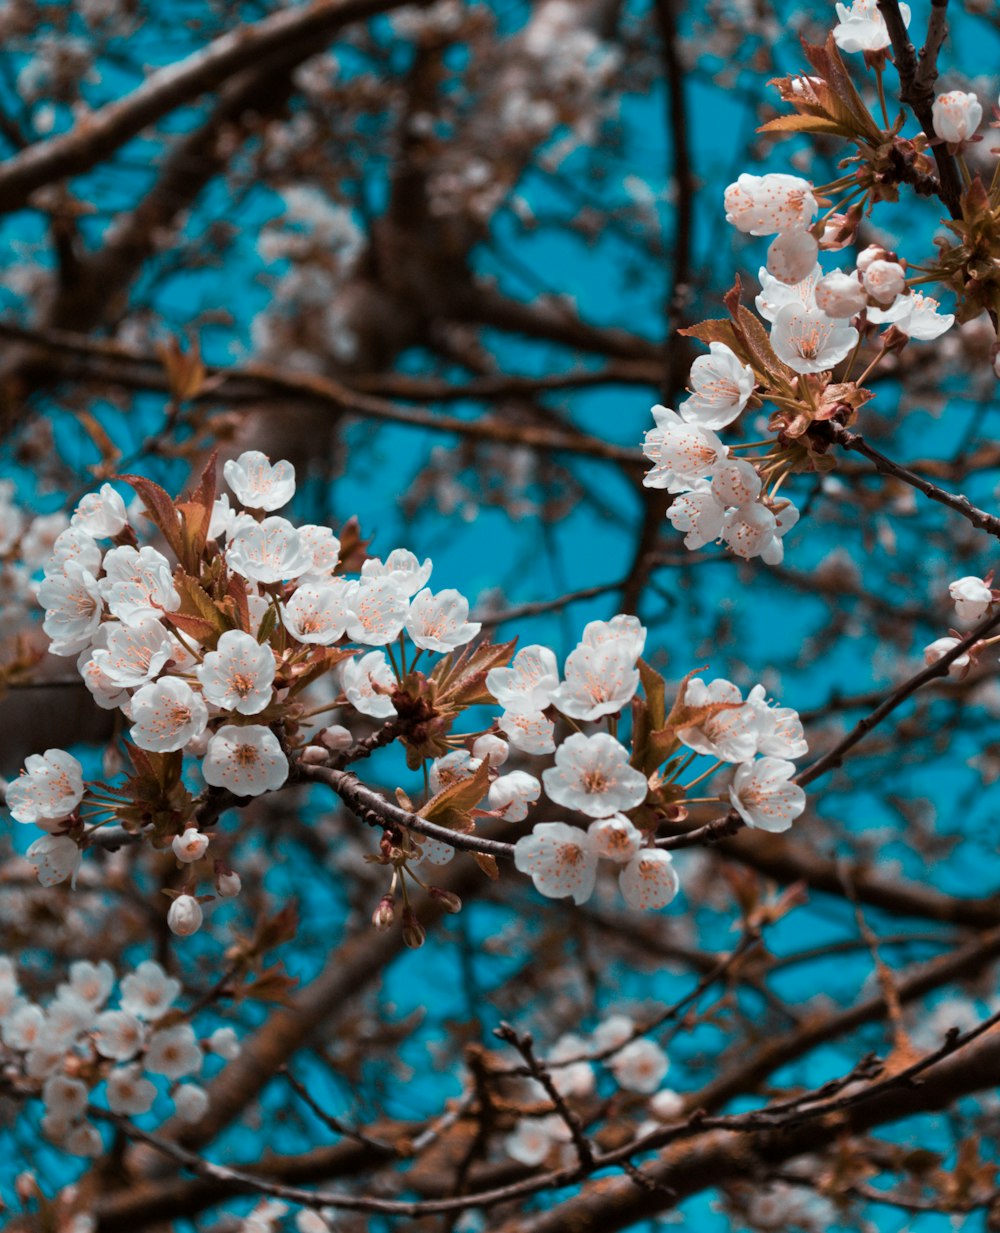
column 359, row 679
column 574, row 1078
column 527, row 685
column 753, row 530
column 884, row 280
column 559, row 859
column 611, row 1032
column 119, row 1034
column 191, row 846
column 173, row 1052
column 129, row 1093
column 65, row 1098
column 104, row 691
column 324, row 548
column 73, row 608
column 915, row 315
column 807, row 340
column 730, row 734
column 439, row 622
column 840, row 295
column 512, row 794
column 764, row 796
column 624, row 629
column 84, row 1140
column 228, row 885
column 956, row 116
column 767, row 205
column 101, row 514
column 491, row 747
column 74, row 544
column 699, row 514
column 137, row 650
column 223, row 520
column 649, row 880
column 148, row 992
column 779, row 729
column 735, row 482
column 257, row 484
column 862, row 27
column 972, row 598
column 317, row 613
column 225, row 1043
column 592, row 775
column 137, row 581
column 185, row 916
column 535, row 1137
column 268, row 551
column 49, row 787
column 666, row 1104
column 529, row 731
column 939, row 648
column 402, row 567
column 91, row 982
column 600, row 680
column 720, row 388
column 191, row 1102
column 238, row 674
column 55, row 858
column 166, row 714
column 615, row 839
column 640, row 1065
column 454, row 767
column 791, row 256
column 682, row 453
column 23, row 1027
column 246, row 760
column 774, row 294
column 376, row 610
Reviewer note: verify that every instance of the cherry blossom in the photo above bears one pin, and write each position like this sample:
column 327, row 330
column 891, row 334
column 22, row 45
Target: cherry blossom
column 49, row 788
column 559, row 859
column 324, row 548
column 791, row 256
column 74, row 544
column 492, row 748
column 238, row 674
column 972, row 598
column 915, row 315
column 764, row 796
column 729, row 734
column 640, row 1065
column 191, row 846
column 137, row 581
column 615, row 839
column 257, row 484
column 73, row 608
column 402, row 567
column 528, row 684
column 592, row 775
column 268, row 551
column 623, row 628
column 600, row 680
column 166, row 714
column 119, row 1034
column 191, row 1103
column 137, row 650
column 779, row 728
column 148, row 992
column 720, row 388
column 956, row 116
column 55, row 857
column 807, row 340
column 649, row 880
column 840, row 295
column 571, row 1078
column 101, row 514
column 511, row 794
column 368, row 683
column 699, row 514
column 173, row 1051
column 862, row 27
column 185, row 916
column 439, row 622
column 129, row 1093
column 735, row 482
column 884, row 280
column 103, row 690
column 376, row 610
column 775, row 294
column 246, row 760
column 682, row 453
column 767, row 205
column 533, row 1139
column 224, row 1042
column 942, row 646
column 317, row 613
column 529, row 731
column 753, row 530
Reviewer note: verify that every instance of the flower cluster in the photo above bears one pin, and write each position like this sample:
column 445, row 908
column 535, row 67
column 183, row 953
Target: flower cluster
column 77, row 1047
column 973, row 598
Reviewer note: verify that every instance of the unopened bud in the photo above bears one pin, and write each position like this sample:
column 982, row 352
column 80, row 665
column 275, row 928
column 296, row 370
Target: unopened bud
column 446, row 898
column 874, row 252
column 384, row 914
column 336, row 738
column 314, row 755
column 227, row 883
column 185, row 916
column 414, row 934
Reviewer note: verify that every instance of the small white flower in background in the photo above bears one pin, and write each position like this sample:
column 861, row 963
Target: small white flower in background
column 191, row 1102
column 807, row 340
column 939, row 648
column 317, row 613
column 49, row 787
column 191, row 846
column 639, row 1066
column 956, row 116
column 592, row 775
column 129, row 1093
column 257, row 484
column 769, row 204
column 358, row 679
column 682, row 453
column 721, row 386
column 840, row 295
column 529, row 731
column 511, row 795
column 402, row 567
column 137, row 650
column 173, row 1052
column 775, row 295
column 915, row 315
column 559, row 859
column 65, row 1099
column 185, row 916
column 862, row 27
column 791, row 256
column 225, row 1043
column 764, row 796
column 376, row 610
column 600, row 680
column 247, row 760
column 439, row 622
column 613, row 1031
column 55, row 857
column 91, row 982
column 268, row 551
column 527, row 685
column 615, row 839
column 972, row 598
column 23, row 1026
column 238, row 674
column 666, row 1104
column 148, row 992
column 753, row 530
column 649, row 881
column 84, row 1140
column 166, row 714
column 118, row 1035
column 491, row 747
column 884, row 280
column 101, row 514
column 574, row 1078
column 73, row 608
column 228, row 884
column 699, row 514
column 534, row 1138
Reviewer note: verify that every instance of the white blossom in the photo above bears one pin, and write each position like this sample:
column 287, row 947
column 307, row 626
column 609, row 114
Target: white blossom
column 511, row 795
column 840, row 295
column 730, row 734
column 101, row 514
column 753, row 530
column 942, row 646
column 376, row 610
column 137, row 650
column 317, row 613
column 884, row 280
column 529, row 731
column 148, row 992
column 775, row 295
column 862, row 27
column 791, row 256
column 721, row 386
column 439, row 622
column 402, row 567
column 268, row 551
column 600, row 680
column 956, row 116
column 527, row 685
column 699, row 514
column 639, row 1066
column 324, row 547
column 166, row 714
column 623, row 628
column 190, row 846
column 119, row 1034
column 225, row 1043
column 649, row 880
column 73, row 608
column 191, row 1102
column 807, row 340
column 49, row 787
column 55, row 858
column 769, row 204
column 915, row 315
column 682, row 453
column 764, row 796
column 592, row 775
column 238, row 674
column 615, row 839
column 247, row 760
column 491, row 747
column 173, row 1052
column 972, row 598
column 129, row 1093
column 559, row 859
column 368, row 683
column 257, row 484
column 138, row 581
column 185, row 916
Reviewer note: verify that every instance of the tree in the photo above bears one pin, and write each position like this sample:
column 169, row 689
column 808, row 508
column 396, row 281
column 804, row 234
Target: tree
column 659, row 878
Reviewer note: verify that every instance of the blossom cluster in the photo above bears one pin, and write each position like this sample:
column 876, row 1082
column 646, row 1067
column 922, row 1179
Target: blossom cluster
column 77, row 1048
column 973, row 598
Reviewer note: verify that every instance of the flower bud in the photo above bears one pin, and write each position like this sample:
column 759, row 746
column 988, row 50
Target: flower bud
column 884, row 280
column 227, row 882
column 414, row 934
column 491, row 748
column 447, row 899
column 336, row 738
column 185, row 916
column 874, row 252
column 313, row 755
column 956, row 116
column 384, row 914
column 840, row 295
column 191, row 846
